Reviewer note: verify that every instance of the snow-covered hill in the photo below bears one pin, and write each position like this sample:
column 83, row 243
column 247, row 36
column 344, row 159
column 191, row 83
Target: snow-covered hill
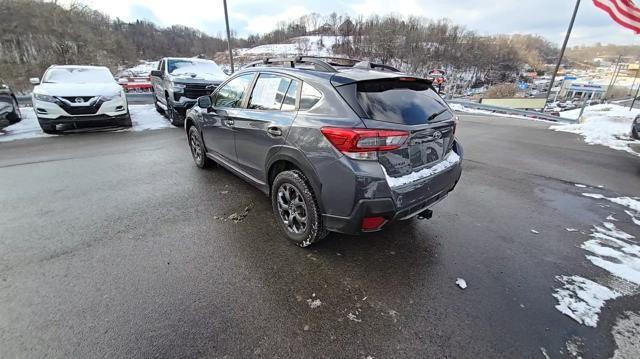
column 303, row 45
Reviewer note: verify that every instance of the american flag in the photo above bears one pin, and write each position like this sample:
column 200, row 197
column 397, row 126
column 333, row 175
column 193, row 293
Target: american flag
column 624, row 12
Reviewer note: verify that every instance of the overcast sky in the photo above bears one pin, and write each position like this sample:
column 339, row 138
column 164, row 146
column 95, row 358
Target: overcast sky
column 549, row 18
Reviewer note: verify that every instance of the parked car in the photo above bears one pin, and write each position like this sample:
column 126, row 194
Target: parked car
column 9, row 109
column 344, row 149
column 178, row 82
column 72, row 97
column 635, row 128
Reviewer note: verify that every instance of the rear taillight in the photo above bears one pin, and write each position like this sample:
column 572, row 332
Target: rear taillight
column 364, row 144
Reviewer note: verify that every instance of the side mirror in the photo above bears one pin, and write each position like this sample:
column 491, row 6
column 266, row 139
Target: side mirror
column 156, row 73
column 34, row 81
column 204, row 101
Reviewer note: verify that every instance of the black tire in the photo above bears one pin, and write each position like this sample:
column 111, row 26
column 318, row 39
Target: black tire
column 634, row 134
column 127, row 122
column 15, row 116
column 155, row 103
column 296, row 208
column 198, row 151
column 49, row 129
column 172, row 115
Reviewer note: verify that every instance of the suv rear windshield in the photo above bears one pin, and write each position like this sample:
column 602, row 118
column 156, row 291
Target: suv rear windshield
column 406, row 101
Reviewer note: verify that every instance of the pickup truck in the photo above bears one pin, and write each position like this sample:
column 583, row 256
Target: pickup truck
column 178, row 82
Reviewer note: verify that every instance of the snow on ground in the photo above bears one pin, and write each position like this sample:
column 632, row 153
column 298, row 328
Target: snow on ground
column 144, row 117
column 605, row 124
column 305, row 45
column 617, row 253
column 626, row 332
column 143, row 68
column 582, row 299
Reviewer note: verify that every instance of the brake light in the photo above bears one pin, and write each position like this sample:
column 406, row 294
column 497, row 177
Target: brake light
column 364, row 143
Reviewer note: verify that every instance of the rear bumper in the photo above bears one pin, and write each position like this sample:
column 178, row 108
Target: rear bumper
column 406, row 203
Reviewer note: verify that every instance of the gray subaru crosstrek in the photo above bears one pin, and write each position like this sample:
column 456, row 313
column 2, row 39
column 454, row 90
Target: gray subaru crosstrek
column 341, row 146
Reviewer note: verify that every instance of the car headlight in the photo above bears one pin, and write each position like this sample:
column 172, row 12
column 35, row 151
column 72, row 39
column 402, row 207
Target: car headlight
column 45, row 98
column 178, row 87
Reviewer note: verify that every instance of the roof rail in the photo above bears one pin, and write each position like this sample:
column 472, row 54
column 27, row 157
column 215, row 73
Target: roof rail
column 292, row 61
column 321, row 63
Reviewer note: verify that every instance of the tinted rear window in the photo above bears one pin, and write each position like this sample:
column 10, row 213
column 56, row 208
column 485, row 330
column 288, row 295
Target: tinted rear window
column 398, row 101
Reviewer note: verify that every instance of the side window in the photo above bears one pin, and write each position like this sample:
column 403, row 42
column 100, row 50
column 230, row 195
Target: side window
column 269, row 92
column 309, row 97
column 230, row 95
column 289, row 103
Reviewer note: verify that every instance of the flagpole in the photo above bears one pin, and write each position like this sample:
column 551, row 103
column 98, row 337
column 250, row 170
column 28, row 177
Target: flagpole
column 564, row 46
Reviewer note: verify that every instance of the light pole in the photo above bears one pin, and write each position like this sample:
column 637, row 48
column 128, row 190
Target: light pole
column 226, row 20
column 564, row 46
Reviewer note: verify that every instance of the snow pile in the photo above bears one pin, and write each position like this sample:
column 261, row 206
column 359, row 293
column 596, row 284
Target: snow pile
column 613, row 250
column 461, row 283
column 582, row 299
column 449, row 161
column 142, row 69
column 302, row 45
column 608, row 125
column 143, row 117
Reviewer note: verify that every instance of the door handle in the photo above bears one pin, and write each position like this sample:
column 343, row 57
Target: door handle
column 229, row 122
column 274, row 131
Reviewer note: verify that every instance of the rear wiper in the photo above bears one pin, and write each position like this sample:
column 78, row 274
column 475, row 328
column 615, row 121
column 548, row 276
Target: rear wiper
column 436, row 114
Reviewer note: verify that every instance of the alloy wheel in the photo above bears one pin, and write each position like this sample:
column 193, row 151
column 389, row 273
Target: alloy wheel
column 196, row 148
column 292, row 208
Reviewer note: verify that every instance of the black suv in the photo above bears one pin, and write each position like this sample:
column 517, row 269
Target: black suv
column 338, row 145
column 9, row 109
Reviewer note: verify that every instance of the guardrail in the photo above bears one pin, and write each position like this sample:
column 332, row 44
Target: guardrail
column 513, row 111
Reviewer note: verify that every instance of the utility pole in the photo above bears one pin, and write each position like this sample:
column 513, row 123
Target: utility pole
column 564, row 46
column 226, row 20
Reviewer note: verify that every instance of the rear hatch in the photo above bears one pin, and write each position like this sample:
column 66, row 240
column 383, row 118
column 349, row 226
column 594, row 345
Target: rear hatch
column 409, row 104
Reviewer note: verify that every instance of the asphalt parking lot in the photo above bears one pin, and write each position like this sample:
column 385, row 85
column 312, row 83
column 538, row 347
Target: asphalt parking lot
column 112, row 245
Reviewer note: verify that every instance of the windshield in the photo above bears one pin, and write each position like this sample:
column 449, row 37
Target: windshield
column 193, row 66
column 410, row 102
column 78, row 75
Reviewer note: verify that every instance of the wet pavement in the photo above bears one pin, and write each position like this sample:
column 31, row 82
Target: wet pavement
column 111, row 246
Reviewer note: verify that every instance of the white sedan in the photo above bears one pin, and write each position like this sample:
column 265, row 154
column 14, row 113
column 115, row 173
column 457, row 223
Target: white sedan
column 72, row 97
